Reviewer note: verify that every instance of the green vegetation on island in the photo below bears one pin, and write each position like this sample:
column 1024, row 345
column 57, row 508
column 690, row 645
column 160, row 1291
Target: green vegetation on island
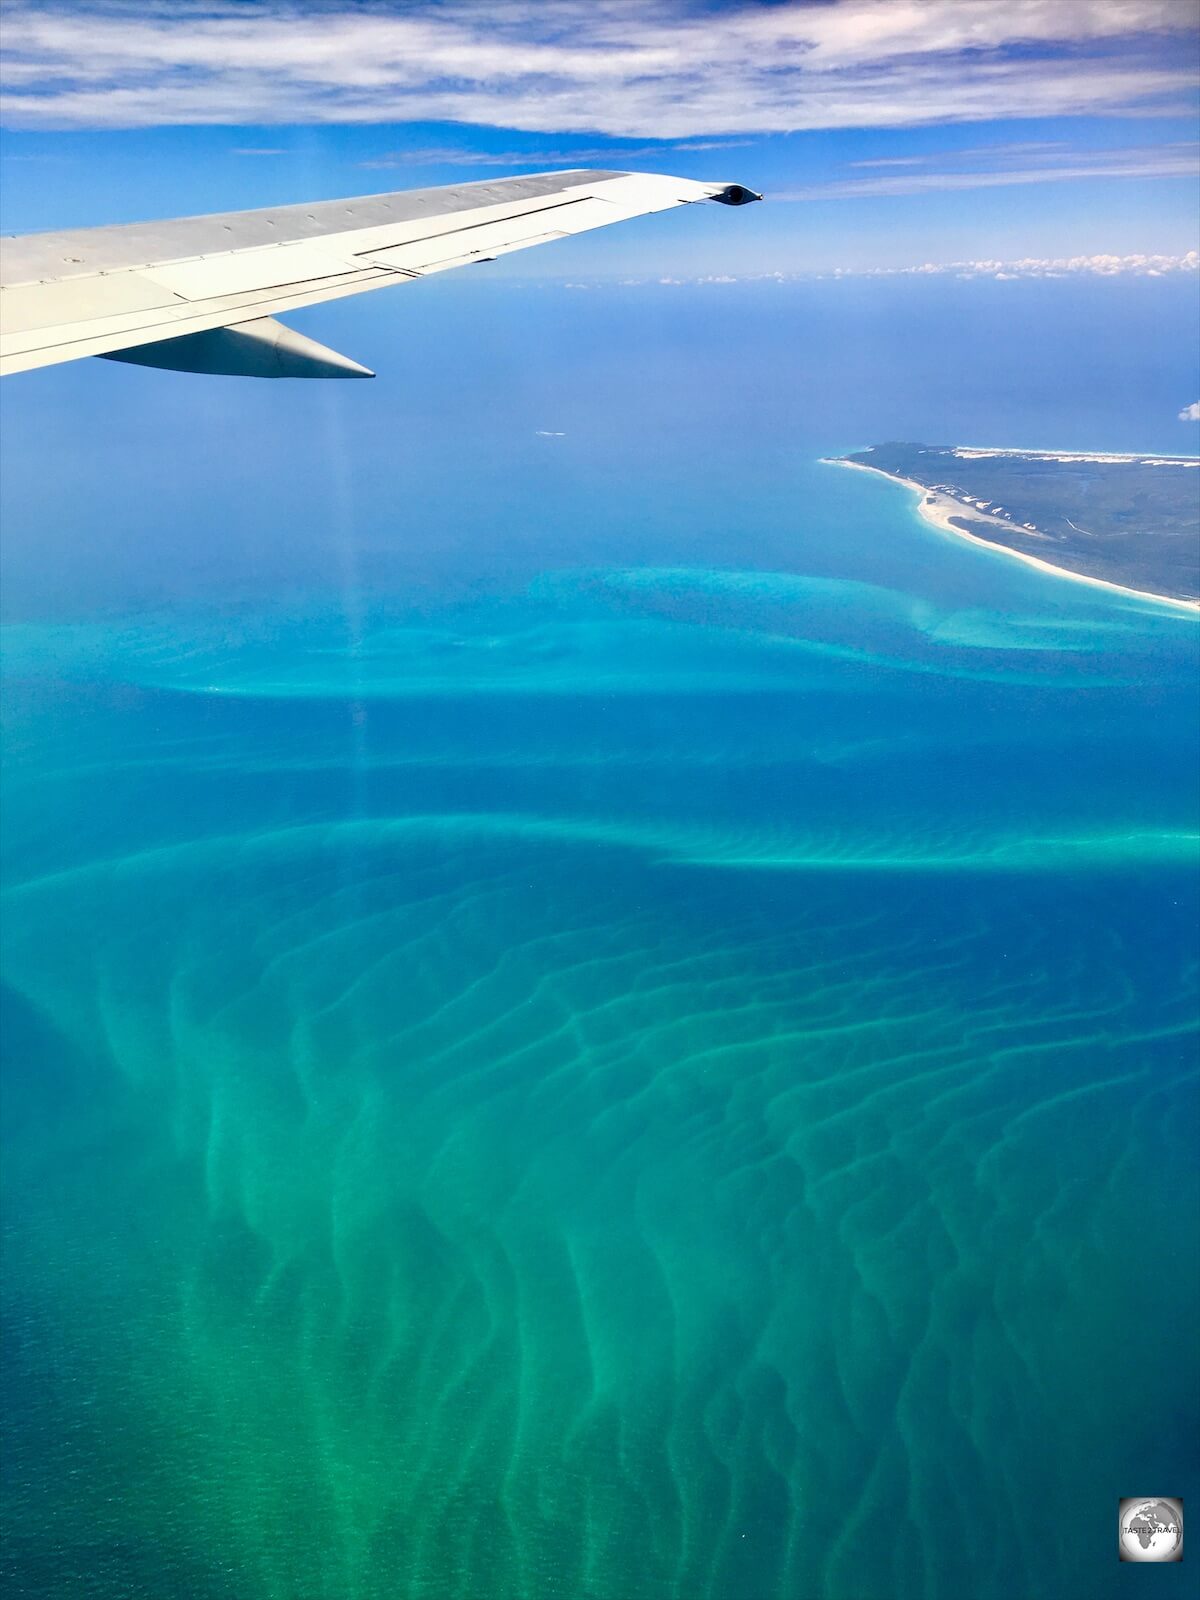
column 1124, row 519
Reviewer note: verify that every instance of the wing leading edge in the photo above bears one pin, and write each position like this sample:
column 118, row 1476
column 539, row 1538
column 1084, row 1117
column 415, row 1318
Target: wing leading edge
column 199, row 294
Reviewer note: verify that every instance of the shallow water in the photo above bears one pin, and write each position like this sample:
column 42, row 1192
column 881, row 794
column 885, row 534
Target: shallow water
column 628, row 1083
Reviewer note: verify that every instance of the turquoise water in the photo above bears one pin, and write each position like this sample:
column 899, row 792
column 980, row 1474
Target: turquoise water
column 603, row 1078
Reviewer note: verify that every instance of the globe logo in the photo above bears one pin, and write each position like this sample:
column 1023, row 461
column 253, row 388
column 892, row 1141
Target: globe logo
column 1151, row 1530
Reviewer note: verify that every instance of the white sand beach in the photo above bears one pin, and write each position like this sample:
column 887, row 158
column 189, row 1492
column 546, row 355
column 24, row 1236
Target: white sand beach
column 938, row 509
column 974, row 452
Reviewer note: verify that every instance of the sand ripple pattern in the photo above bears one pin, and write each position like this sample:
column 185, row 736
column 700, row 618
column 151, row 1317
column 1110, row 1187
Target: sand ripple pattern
column 432, row 1216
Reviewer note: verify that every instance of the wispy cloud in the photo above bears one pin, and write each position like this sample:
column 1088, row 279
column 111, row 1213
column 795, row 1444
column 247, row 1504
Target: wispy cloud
column 457, row 156
column 1190, row 413
column 661, row 69
column 1027, row 150
column 1060, row 165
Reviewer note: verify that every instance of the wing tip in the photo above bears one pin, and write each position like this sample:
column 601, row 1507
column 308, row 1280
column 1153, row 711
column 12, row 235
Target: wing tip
column 736, row 194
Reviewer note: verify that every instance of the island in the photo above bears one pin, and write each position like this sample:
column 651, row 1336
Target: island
column 1129, row 522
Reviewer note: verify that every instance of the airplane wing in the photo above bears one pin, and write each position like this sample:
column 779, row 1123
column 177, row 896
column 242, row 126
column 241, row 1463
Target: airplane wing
column 200, row 294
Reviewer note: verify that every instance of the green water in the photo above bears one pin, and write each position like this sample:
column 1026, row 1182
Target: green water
column 643, row 1086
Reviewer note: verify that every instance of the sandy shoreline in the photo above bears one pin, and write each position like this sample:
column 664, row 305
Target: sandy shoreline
column 938, row 509
column 1152, row 458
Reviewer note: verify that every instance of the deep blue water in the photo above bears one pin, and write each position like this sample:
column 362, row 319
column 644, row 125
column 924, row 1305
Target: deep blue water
column 600, row 1014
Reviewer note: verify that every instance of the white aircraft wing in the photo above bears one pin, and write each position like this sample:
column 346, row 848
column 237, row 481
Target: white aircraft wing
column 199, row 294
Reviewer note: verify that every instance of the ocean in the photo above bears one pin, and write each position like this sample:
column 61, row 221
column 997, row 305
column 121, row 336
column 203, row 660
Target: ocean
column 594, row 1009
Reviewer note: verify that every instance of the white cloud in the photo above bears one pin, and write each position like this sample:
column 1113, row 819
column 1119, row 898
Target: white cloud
column 1101, row 266
column 1098, row 266
column 657, row 69
column 1057, row 166
column 991, row 152
column 457, row 156
column 1190, row 413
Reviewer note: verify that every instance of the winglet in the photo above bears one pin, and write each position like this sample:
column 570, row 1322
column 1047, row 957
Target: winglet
column 735, row 194
column 262, row 348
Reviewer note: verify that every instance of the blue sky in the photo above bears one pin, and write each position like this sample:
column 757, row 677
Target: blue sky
column 1032, row 136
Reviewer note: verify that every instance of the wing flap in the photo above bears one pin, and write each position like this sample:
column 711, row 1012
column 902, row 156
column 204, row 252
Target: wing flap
column 462, row 245
column 478, row 241
column 45, row 305
column 248, row 271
